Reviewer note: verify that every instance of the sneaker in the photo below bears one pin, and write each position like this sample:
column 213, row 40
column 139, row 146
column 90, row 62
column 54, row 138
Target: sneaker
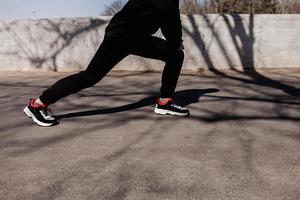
column 40, row 114
column 170, row 108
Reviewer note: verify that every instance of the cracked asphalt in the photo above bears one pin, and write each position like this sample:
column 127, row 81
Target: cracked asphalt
column 242, row 140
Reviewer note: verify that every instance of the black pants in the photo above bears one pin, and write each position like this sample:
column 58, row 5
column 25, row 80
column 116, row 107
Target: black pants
column 112, row 51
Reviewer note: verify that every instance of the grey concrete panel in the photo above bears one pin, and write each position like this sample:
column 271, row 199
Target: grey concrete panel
column 212, row 42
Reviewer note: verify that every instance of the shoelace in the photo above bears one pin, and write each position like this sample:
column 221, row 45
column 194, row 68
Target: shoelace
column 47, row 114
column 176, row 106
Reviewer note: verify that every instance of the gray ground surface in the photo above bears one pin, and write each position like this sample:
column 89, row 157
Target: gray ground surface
column 242, row 140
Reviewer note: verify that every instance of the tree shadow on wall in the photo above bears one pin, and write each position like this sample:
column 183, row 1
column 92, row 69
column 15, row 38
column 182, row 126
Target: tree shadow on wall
column 245, row 52
column 59, row 39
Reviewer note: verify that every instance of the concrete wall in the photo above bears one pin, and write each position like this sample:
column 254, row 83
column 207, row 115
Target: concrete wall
column 212, row 41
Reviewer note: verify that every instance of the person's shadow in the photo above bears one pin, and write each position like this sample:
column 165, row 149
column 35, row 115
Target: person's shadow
column 183, row 98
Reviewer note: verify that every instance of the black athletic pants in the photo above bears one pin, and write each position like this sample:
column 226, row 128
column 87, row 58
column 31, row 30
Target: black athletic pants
column 112, row 51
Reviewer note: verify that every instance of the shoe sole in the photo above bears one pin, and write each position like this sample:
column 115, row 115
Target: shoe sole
column 168, row 112
column 29, row 114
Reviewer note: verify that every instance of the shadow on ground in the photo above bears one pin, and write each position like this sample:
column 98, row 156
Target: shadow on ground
column 112, row 146
column 184, row 98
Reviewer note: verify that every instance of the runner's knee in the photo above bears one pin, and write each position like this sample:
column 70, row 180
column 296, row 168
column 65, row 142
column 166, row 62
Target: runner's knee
column 178, row 56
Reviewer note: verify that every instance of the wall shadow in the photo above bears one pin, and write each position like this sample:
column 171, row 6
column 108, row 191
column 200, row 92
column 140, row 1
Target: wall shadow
column 245, row 52
column 59, row 39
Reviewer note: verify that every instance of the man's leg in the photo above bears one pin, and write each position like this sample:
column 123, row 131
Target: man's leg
column 108, row 55
column 156, row 48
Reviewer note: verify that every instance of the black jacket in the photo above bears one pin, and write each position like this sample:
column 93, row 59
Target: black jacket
column 141, row 18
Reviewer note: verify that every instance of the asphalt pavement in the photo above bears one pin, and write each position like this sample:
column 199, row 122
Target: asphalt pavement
column 241, row 142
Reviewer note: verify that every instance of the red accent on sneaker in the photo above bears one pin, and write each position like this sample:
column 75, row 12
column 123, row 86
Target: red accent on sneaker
column 34, row 105
column 163, row 104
